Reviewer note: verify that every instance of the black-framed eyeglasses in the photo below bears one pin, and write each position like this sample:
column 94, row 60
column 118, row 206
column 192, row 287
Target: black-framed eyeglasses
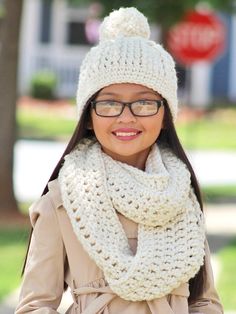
column 139, row 108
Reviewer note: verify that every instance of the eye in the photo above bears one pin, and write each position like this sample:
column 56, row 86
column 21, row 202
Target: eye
column 113, row 103
column 108, row 107
column 145, row 103
column 145, row 107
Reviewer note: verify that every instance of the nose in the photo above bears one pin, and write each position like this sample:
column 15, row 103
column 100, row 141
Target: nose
column 126, row 116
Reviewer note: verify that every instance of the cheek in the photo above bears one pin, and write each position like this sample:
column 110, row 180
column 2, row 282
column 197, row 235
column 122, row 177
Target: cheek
column 155, row 124
column 99, row 124
column 155, row 129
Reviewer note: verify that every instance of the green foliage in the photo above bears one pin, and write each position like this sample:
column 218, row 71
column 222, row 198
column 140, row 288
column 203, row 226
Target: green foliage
column 12, row 247
column 43, row 85
column 165, row 13
column 227, row 280
column 219, row 193
column 162, row 12
column 226, row 5
column 2, row 11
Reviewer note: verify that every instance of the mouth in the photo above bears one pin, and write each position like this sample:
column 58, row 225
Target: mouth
column 126, row 135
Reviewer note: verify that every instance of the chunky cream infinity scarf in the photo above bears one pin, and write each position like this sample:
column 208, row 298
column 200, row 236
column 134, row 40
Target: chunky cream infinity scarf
column 170, row 247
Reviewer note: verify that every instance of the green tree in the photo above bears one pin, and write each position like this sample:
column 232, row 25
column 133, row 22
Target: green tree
column 163, row 12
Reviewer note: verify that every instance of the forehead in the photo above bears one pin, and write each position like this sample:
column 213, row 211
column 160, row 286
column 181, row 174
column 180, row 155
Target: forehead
column 126, row 89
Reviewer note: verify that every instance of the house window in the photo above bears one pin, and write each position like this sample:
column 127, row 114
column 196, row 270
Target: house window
column 46, row 18
column 83, row 33
column 76, row 33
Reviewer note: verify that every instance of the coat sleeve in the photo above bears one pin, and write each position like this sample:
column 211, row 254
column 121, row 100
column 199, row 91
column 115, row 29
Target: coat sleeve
column 209, row 302
column 43, row 280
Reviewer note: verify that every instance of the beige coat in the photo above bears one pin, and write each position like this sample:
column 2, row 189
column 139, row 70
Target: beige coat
column 53, row 240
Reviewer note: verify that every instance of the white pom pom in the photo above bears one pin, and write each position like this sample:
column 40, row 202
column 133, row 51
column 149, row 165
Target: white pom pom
column 127, row 22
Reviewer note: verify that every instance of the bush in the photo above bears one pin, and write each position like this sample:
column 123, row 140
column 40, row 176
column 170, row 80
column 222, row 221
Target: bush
column 43, row 85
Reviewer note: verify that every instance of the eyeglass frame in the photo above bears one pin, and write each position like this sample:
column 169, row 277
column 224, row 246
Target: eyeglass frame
column 159, row 103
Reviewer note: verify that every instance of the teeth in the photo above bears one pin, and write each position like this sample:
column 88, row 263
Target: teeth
column 125, row 134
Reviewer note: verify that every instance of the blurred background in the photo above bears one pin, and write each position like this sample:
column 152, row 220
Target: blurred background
column 42, row 44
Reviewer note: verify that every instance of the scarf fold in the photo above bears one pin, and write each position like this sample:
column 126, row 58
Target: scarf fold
column 171, row 235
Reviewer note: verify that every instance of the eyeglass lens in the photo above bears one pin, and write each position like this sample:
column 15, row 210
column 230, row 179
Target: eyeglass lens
column 139, row 108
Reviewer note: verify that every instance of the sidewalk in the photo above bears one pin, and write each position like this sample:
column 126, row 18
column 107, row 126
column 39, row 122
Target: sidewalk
column 220, row 225
column 35, row 161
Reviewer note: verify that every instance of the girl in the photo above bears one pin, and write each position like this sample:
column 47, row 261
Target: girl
column 120, row 221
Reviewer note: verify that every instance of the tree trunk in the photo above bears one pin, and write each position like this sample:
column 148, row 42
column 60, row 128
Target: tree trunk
column 9, row 45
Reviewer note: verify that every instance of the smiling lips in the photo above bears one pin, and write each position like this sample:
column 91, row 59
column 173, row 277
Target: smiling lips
column 126, row 134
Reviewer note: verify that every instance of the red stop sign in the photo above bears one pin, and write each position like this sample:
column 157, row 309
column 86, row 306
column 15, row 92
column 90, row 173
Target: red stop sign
column 200, row 36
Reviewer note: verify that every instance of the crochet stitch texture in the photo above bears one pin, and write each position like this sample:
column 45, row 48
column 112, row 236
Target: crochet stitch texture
column 125, row 54
column 170, row 246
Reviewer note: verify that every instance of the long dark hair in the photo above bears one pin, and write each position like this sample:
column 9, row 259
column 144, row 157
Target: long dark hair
column 169, row 137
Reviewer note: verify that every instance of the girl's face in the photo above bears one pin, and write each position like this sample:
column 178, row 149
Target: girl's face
column 127, row 138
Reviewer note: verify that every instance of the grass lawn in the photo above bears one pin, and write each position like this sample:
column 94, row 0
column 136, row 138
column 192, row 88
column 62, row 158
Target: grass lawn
column 227, row 280
column 219, row 193
column 12, row 247
column 40, row 124
column 214, row 130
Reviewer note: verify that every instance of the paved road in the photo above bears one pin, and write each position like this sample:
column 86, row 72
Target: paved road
column 35, row 160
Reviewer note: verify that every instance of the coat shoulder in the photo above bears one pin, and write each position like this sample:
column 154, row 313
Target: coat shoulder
column 45, row 206
column 54, row 193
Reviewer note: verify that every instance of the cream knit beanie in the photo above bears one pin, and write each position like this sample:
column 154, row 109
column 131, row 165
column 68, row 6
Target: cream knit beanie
column 126, row 55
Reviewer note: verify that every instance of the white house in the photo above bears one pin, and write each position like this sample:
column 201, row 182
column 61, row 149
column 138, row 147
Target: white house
column 53, row 38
